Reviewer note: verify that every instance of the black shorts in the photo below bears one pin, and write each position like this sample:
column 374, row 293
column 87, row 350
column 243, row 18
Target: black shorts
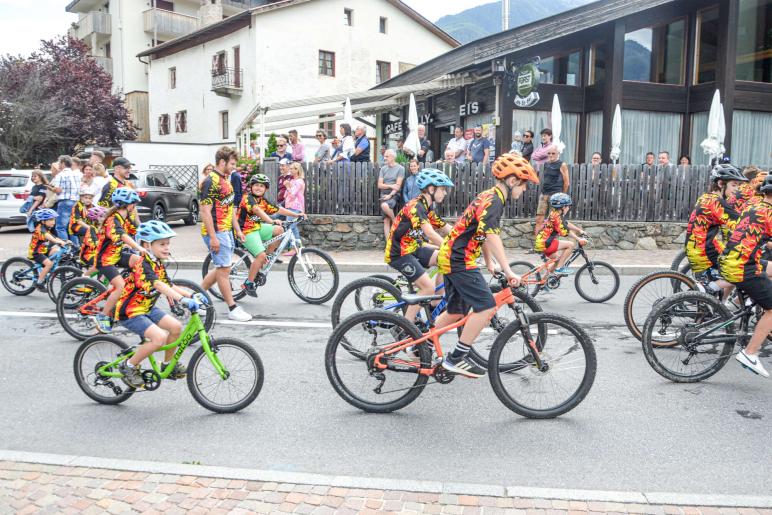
column 466, row 289
column 39, row 258
column 111, row 271
column 414, row 265
column 759, row 289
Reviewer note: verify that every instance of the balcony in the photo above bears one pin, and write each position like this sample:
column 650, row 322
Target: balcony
column 95, row 22
column 105, row 62
column 227, row 82
column 168, row 24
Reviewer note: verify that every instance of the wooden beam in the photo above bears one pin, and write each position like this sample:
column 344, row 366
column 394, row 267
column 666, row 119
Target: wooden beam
column 728, row 14
column 615, row 51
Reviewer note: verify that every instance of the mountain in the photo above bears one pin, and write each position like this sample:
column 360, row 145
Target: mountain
column 485, row 19
column 637, row 62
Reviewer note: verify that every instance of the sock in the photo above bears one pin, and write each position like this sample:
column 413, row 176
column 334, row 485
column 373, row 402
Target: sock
column 460, row 351
column 231, row 308
column 128, row 364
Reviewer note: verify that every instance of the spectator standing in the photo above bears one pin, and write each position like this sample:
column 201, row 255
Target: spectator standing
column 66, row 185
column 555, row 180
column 51, row 197
column 517, row 143
column 390, row 180
column 424, row 145
column 539, row 156
column 254, row 152
column 685, row 161
column 298, row 150
column 38, row 196
column 295, row 200
column 284, row 177
column 323, row 153
column 88, row 183
column 664, row 158
column 76, row 164
column 527, row 149
column 361, row 146
column 479, row 148
column 347, row 144
column 205, row 173
column 282, row 150
column 596, row 159
column 100, row 179
column 97, row 158
column 459, row 145
column 410, row 190
column 450, row 159
column 649, row 159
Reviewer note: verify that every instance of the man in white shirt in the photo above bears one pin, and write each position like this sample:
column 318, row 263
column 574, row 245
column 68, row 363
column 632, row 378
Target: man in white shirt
column 458, row 145
column 66, row 185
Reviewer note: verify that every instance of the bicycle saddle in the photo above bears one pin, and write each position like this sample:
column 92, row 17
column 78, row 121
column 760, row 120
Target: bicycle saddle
column 411, row 299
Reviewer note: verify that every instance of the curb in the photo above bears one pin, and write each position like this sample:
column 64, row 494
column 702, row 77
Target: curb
column 419, row 486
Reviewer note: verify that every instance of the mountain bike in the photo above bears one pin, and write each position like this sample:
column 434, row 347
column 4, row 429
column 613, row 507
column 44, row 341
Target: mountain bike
column 19, row 275
column 223, row 366
column 312, row 273
column 648, row 291
column 534, row 376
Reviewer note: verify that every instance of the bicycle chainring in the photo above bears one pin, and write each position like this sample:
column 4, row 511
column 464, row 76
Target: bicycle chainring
column 260, row 279
column 152, row 380
column 442, row 376
column 553, row 282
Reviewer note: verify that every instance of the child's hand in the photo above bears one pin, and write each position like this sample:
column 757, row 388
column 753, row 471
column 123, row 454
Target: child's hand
column 582, row 242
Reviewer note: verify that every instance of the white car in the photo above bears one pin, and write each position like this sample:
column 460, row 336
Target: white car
column 15, row 187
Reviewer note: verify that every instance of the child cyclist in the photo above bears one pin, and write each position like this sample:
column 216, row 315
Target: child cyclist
column 79, row 224
column 256, row 224
column 89, row 242
column 115, row 235
column 414, row 222
column 40, row 244
column 556, row 225
column 136, row 309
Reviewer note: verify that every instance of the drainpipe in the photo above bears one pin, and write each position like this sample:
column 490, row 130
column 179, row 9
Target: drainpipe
column 504, row 15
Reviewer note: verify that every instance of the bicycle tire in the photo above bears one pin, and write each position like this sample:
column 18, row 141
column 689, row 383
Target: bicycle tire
column 6, row 280
column 67, row 302
column 368, row 318
column 677, row 279
column 58, row 278
column 650, row 351
column 199, row 357
column 387, row 278
column 116, row 398
column 520, row 268
column 356, row 288
column 495, row 369
column 679, row 260
column 316, row 277
column 242, row 257
column 585, row 269
column 208, row 311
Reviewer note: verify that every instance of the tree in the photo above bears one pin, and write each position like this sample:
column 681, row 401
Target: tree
column 270, row 146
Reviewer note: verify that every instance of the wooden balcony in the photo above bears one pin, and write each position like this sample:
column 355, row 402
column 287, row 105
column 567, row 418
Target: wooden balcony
column 227, row 82
column 168, row 24
column 94, row 22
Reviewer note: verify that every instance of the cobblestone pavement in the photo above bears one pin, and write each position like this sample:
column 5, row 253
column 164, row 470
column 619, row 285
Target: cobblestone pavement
column 27, row 488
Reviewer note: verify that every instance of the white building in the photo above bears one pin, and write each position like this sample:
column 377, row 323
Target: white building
column 205, row 86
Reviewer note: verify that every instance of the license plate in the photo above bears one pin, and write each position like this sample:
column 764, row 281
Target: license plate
column 3, row 196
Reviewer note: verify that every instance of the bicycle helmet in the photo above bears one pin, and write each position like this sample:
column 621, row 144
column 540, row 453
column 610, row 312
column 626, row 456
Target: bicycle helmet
column 760, row 178
column 560, row 200
column 124, row 197
column 154, row 230
column 96, row 212
column 766, row 186
column 260, row 178
column 726, row 172
column 44, row 214
column 507, row 165
column 432, row 177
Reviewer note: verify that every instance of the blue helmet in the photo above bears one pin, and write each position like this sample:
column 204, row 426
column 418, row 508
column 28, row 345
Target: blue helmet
column 44, row 214
column 432, row 177
column 124, row 197
column 154, row 230
column 559, row 200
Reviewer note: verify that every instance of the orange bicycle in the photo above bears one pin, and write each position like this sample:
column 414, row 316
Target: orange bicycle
column 380, row 362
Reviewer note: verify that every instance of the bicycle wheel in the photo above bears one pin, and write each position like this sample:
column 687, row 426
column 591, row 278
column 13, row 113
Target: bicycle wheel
column 242, row 260
column 93, row 354
column 363, row 294
column 58, row 278
column 597, row 281
column 19, row 276
column 680, row 319
column 77, row 321
column 352, row 346
column 313, row 275
column 647, row 292
column 570, row 364
column 387, row 278
column 242, row 384
column 183, row 315
column 679, row 261
column 533, row 283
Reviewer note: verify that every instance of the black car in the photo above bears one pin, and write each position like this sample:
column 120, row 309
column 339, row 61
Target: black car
column 163, row 198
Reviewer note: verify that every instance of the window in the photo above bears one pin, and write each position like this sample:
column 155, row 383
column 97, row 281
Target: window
column 561, row 69
column 328, row 127
column 165, row 5
column 707, row 46
column 382, row 71
column 645, row 131
column 748, row 129
column 594, row 141
column 526, row 119
column 597, row 64
column 655, row 54
column 160, row 180
column 382, row 25
column 326, row 63
column 108, row 50
column 219, row 63
column 173, row 78
column 181, row 121
column 348, row 17
column 163, row 124
column 224, row 124
column 754, row 41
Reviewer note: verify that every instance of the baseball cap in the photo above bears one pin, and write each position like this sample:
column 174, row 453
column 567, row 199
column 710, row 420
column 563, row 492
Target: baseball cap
column 284, row 161
column 88, row 189
column 122, row 161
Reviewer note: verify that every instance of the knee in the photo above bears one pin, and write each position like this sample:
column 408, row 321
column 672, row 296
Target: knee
column 175, row 329
column 118, row 283
column 571, row 245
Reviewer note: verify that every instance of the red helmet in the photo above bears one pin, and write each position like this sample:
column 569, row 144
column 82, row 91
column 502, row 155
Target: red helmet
column 513, row 164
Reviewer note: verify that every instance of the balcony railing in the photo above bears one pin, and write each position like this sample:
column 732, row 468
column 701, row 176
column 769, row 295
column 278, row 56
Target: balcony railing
column 227, row 81
column 94, row 22
column 104, row 62
column 168, row 23
column 244, row 4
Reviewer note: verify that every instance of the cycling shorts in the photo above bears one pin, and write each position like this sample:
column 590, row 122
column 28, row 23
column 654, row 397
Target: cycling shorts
column 254, row 240
column 40, row 258
column 553, row 247
column 759, row 289
column 111, row 271
column 465, row 289
column 140, row 324
column 413, row 265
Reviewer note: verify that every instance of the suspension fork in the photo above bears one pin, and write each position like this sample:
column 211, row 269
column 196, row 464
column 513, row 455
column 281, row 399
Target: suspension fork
column 525, row 331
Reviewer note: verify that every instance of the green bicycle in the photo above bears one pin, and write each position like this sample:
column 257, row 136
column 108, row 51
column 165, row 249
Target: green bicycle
column 224, row 375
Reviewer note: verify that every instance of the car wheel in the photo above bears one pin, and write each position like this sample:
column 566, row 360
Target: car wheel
column 192, row 218
column 159, row 212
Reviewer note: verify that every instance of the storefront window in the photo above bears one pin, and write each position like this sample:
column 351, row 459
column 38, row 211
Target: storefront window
column 749, row 130
column 594, row 135
column 649, row 131
column 655, row 54
column 754, row 41
column 699, row 133
column 597, row 64
column 707, row 46
column 523, row 120
column 561, row 69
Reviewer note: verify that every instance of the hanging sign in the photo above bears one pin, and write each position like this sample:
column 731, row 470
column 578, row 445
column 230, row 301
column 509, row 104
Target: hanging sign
column 525, row 79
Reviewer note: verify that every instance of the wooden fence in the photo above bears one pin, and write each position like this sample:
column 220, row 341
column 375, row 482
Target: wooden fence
column 605, row 193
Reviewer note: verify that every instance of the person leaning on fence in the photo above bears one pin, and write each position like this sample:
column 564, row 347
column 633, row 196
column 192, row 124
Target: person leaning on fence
column 684, row 160
column 322, row 154
column 361, row 146
column 298, row 149
column 527, row 149
column 295, row 200
column 539, row 156
column 517, row 143
column 664, row 158
column 458, row 145
column 449, row 159
column 555, row 180
column 410, row 189
column 390, row 179
column 281, row 183
column 347, row 145
column 650, row 158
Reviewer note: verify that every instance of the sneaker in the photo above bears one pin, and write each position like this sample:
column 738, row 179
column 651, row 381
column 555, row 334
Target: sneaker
column 131, row 375
column 104, row 323
column 41, row 287
column 564, row 271
column 289, row 254
column 465, row 367
column 752, row 363
column 239, row 315
column 250, row 288
column 178, row 372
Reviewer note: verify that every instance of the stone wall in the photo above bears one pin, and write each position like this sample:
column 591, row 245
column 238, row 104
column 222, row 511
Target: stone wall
column 366, row 233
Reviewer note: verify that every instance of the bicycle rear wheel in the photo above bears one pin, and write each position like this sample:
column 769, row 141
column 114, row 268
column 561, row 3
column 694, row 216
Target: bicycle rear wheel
column 92, row 355
column 533, row 283
column 597, row 281
column 349, row 362
column 58, row 278
column 569, row 357
column 313, row 275
column 680, row 319
column 242, row 260
column 647, row 292
column 18, row 276
column 75, row 320
column 363, row 294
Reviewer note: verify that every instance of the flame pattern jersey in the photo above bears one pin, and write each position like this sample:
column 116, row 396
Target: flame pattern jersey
column 554, row 226
column 88, row 246
column 745, row 192
column 711, row 213
column 217, row 191
column 38, row 244
column 741, row 259
column 249, row 221
column 78, row 215
column 110, row 243
column 406, row 235
column 139, row 296
column 106, row 198
column 463, row 245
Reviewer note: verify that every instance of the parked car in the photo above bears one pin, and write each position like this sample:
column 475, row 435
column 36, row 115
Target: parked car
column 163, row 198
column 15, row 187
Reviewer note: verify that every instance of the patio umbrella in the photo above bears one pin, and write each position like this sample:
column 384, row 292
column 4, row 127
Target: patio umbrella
column 557, row 124
column 721, row 130
column 616, row 135
column 411, row 141
column 712, row 144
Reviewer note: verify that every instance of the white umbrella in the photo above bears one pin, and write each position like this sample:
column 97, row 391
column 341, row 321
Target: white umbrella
column 348, row 115
column 712, row 144
column 412, row 144
column 616, row 135
column 721, row 130
column 557, row 124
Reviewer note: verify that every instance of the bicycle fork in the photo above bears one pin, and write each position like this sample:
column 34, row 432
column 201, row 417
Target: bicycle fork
column 525, row 331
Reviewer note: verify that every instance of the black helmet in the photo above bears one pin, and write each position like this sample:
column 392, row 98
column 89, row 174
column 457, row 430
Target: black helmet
column 726, row 172
column 766, row 186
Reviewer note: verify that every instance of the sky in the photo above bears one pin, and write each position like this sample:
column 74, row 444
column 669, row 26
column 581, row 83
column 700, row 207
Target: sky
column 22, row 27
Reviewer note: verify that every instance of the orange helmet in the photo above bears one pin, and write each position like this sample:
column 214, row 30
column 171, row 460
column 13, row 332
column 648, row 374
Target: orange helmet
column 513, row 164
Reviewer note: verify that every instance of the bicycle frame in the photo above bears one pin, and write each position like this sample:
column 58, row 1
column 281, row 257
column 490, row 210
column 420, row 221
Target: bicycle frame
column 549, row 266
column 36, row 267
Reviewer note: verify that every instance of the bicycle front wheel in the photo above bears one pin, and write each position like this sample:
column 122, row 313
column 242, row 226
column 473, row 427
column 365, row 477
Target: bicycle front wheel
column 92, row 355
column 244, row 379
column 207, row 313
column 18, row 276
column 58, row 278
column 597, row 281
column 647, row 292
column 363, row 294
column 568, row 371
column 313, row 275
column 532, row 283
column 242, row 260
column 76, row 319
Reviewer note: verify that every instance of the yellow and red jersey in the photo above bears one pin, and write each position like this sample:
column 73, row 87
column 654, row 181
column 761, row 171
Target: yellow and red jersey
column 744, row 193
column 106, row 199
column 139, row 295
column 38, row 244
column 741, row 259
column 406, row 235
column 110, row 242
column 463, row 245
column 89, row 242
column 554, row 226
column 249, row 221
column 711, row 213
column 79, row 214
column 217, row 191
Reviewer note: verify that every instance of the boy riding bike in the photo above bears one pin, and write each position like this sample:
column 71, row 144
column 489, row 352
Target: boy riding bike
column 89, row 242
column 556, row 225
column 39, row 245
column 79, row 225
column 136, row 310
column 416, row 221
column 478, row 229
column 258, row 226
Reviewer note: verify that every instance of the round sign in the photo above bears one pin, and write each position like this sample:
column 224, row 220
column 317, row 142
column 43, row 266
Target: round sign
column 527, row 79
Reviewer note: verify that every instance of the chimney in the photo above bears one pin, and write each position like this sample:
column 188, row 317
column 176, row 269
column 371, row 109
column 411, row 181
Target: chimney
column 210, row 12
column 504, row 15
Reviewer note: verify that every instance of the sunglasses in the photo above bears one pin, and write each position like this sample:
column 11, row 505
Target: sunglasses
column 280, row 146
column 319, row 136
column 552, row 153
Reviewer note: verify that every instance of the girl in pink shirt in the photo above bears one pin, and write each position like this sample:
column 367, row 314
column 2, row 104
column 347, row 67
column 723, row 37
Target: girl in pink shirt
column 295, row 200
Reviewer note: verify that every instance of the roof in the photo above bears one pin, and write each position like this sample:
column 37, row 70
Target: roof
column 523, row 37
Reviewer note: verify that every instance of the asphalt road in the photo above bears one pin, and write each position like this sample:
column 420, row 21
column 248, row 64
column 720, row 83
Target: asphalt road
column 635, row 431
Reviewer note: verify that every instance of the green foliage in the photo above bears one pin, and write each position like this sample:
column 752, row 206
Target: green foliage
column 270, row 146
